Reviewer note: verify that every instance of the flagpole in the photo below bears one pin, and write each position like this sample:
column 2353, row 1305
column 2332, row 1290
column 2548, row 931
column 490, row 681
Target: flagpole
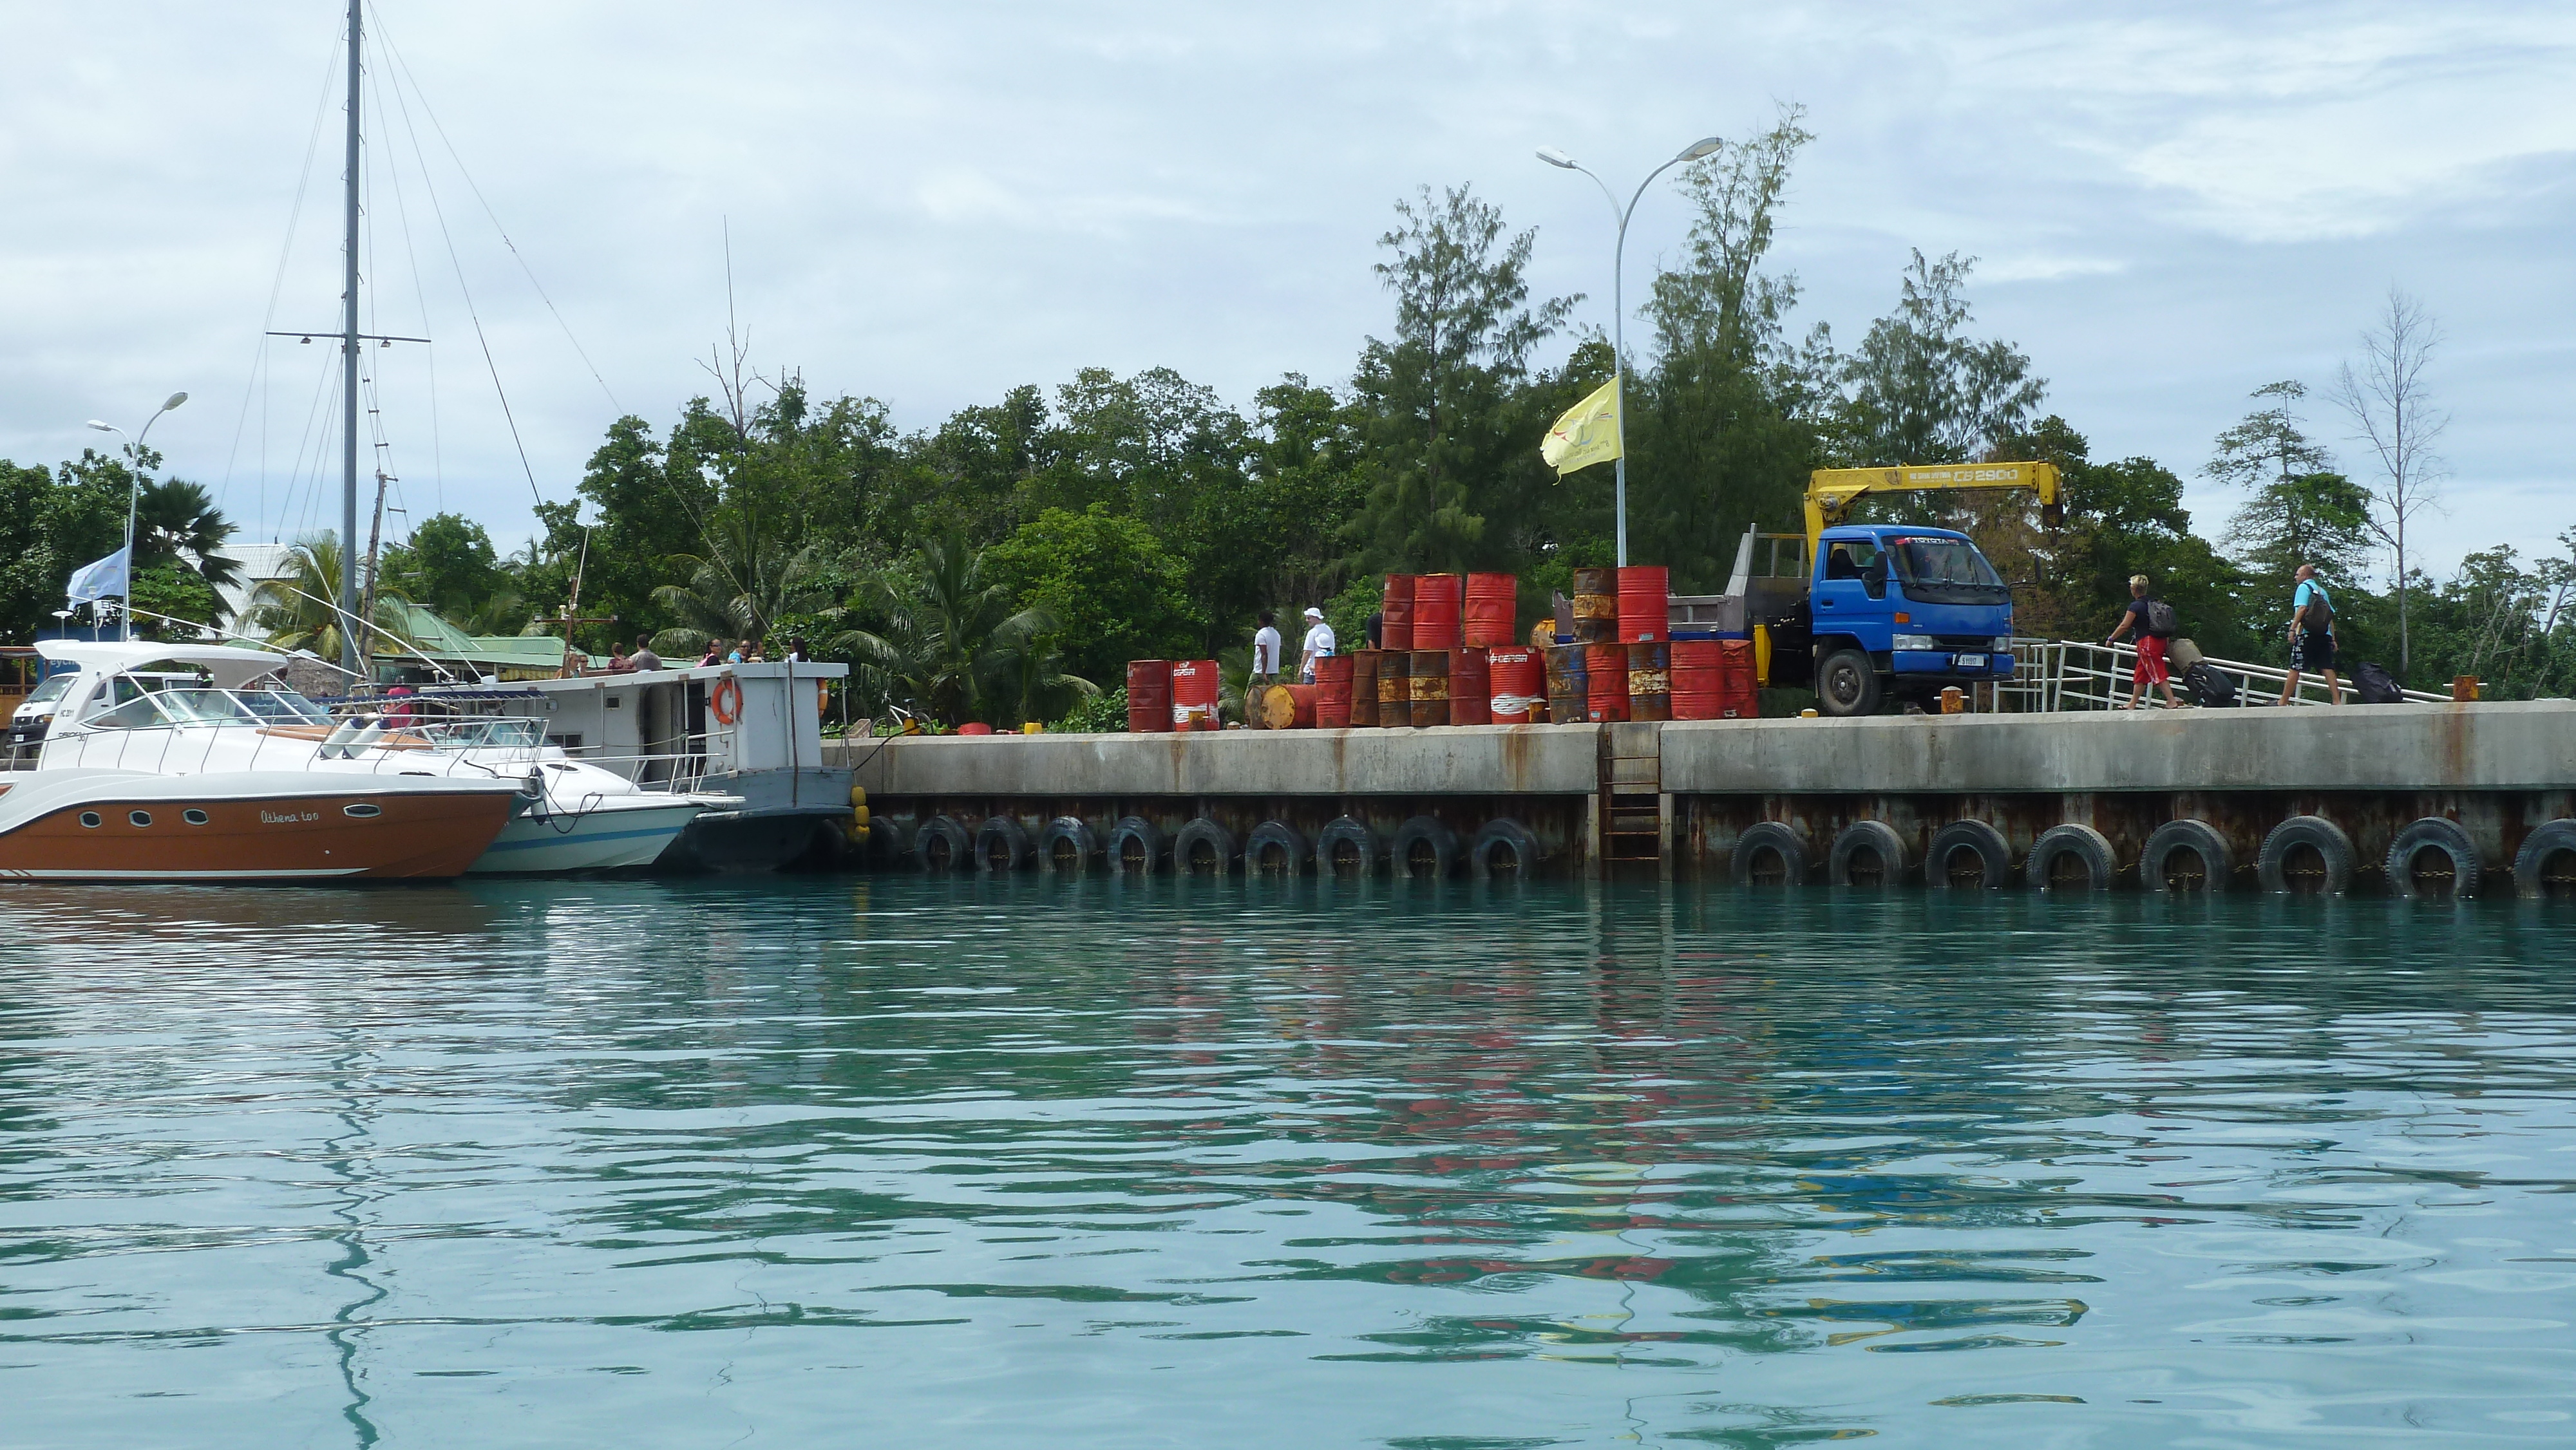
column 1619, row 305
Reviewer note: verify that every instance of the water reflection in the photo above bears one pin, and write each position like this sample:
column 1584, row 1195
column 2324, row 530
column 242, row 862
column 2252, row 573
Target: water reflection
column 1280, row 1162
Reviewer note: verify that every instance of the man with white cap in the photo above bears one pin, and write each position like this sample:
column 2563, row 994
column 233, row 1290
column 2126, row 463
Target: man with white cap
column 1319, row 644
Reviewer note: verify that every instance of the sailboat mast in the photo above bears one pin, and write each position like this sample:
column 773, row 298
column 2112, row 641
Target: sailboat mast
column 349, row 380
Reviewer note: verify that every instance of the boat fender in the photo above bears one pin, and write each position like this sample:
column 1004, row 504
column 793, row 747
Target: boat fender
column 2333, row 848
column 2433, row 833
column 726, row 690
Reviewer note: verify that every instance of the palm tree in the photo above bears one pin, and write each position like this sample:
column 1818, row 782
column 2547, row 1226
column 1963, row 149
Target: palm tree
column 952, row 646
column 176, row 522
column 739, row 588
column 298, row 610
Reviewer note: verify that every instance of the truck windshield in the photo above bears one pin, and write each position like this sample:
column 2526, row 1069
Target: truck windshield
column 1947, row 571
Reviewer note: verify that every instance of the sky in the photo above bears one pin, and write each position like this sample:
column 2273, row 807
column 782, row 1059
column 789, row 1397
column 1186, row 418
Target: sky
column 2172, row 204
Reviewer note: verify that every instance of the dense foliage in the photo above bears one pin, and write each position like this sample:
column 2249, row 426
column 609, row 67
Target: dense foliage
column 1005, row 564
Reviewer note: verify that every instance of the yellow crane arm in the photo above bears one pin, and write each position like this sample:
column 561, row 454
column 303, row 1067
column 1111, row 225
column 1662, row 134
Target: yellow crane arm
column 1832, row 491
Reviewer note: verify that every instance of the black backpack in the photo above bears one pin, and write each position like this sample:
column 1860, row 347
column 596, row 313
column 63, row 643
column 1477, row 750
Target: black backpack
column 2210, row 686
column 2320, row 610
column 2161, row 621
column 2373, row 685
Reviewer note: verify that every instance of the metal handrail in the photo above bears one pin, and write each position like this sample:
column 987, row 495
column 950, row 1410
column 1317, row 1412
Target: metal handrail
column 2063, row 674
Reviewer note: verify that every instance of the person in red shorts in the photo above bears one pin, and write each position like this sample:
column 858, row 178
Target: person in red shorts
column 2152, row 621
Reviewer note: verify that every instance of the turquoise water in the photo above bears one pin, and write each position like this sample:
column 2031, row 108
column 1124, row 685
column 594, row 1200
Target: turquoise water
column 898, row 1161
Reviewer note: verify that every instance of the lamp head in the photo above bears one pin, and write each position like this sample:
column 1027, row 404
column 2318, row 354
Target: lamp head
column 102, row 427
column 1554, row 157
column 175, row 400
column 1698, row 149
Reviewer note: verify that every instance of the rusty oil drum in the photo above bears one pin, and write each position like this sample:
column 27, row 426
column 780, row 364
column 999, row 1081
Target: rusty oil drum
column 1427, row 672
column 1568, row 689
column 1394, row 689
column 1650, row 681
column 1363, row 703
column 1596, row 606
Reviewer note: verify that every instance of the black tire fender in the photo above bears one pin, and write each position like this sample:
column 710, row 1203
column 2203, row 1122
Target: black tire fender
column 2196, row 836
column 1859, row 836
column 1137, row 837
column 1352, row 833
column 1205, row 839
column 1068, row 844
column 1424, row 831
column 1505, row 838
column 2083, row 843
column 1280, row 837
column 2432, row 833
column 940, row 844
column 1785, row 841
column 2317, row 833
column 1002, row 844
column 1994, row 854
column 2543, row 845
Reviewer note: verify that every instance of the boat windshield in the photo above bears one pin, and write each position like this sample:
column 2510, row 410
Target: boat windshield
column 514, row 734
column 140, row 713
column 282, row 706
column 203, row 707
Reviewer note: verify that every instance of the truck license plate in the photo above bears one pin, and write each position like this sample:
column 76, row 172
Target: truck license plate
column 1972, row 662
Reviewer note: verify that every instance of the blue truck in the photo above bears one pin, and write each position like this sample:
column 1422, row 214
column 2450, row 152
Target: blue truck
column 1873, row 614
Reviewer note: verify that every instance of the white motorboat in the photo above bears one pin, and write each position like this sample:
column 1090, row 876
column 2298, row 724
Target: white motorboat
column 121, row 713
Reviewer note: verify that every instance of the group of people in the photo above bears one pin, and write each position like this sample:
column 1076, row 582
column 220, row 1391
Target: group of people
column 718, row 652
column 1319, row 644
column 2151, row 622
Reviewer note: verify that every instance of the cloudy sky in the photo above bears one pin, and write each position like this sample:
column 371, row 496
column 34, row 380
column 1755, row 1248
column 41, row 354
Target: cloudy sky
column 2173, row 204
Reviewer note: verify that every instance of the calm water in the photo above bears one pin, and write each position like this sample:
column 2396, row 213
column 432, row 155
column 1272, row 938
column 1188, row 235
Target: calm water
column 907, row 1162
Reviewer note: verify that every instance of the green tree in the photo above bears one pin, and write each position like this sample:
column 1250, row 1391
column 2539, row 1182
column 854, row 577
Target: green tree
column 297, row 611
column 176, row 523
column 1115, row 593
column 1919, row 390
column 2307, row 518
column 950, row 643
column 740, row 589
column 1446, row 415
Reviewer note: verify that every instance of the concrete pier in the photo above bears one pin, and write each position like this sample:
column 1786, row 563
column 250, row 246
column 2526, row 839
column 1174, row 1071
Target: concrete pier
column 1683, row 795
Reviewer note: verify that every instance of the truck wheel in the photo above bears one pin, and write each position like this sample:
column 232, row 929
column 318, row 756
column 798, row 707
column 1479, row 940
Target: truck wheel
column 1847, row 684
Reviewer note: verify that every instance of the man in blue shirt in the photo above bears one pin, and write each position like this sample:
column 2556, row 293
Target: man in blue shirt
column 2312, row 637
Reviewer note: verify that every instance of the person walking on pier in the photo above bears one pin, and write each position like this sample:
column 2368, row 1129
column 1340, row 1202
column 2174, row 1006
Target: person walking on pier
column 2312, row 636
column 2152, row 621
column 1319, row 645
column 1265, row 668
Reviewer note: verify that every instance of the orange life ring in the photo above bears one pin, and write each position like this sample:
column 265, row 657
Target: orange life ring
column 822, row 698
column 725, row 715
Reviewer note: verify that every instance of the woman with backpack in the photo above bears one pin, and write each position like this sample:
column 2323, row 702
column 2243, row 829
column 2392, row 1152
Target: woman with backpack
column 2312, row 637
column 2153, row 622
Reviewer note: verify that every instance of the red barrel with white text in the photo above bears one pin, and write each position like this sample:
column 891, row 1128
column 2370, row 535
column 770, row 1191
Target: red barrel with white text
column 1515, row 684
column 1149, row 697
column 1194, row 691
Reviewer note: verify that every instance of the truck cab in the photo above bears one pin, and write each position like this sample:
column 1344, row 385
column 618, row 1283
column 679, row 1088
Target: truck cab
column 1903, row 610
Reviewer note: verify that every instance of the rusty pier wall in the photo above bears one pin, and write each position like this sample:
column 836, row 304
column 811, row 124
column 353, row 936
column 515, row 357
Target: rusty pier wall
column 1689, row 791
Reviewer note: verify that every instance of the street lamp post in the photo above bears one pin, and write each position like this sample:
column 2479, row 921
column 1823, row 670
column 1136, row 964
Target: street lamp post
column 134, row 495
column 1618, row 301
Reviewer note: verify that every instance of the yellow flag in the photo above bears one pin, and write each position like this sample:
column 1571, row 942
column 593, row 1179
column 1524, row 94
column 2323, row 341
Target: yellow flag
column 1587, row 434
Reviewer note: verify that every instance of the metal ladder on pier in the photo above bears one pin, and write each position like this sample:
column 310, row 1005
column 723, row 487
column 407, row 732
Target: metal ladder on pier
column 1632, row 813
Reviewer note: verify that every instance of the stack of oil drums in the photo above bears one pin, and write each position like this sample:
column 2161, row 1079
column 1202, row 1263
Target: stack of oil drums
column 1447, row 655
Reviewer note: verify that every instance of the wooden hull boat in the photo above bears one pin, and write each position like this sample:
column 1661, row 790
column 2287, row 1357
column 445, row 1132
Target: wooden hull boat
column 105, row 825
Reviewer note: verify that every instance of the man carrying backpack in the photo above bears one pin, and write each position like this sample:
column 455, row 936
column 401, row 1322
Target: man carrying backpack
column 2312, row 636
column 2153, row 622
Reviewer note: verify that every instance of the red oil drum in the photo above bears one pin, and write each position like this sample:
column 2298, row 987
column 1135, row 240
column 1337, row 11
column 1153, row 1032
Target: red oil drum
column 1436, row 616
column 1645, row 602
column 1697, row 679
column 1492, row 611
column 1194, row 691
column 1515, row 684
column 1470, row 700
column 1596, row 606
column 1333, row 691
column 1427, row 673
column 1289, row 707
column 1605, row 669
column 1650, row 681
column 1394, row 689
column 1363, row 701
column 1395, row 630
column 1739, row 687
column 1149, row 697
